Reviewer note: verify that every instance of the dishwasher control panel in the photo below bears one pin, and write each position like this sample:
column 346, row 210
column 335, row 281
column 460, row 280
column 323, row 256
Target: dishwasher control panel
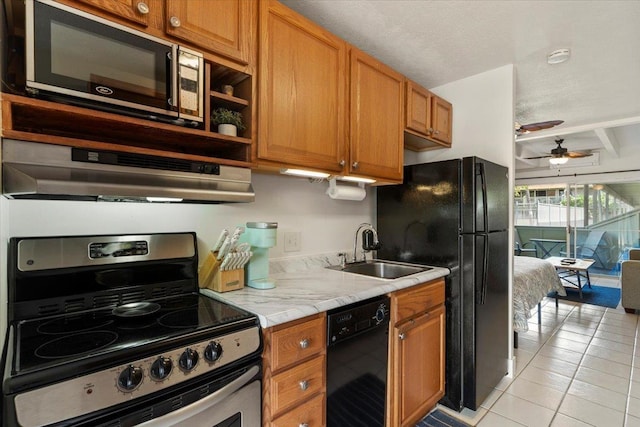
column 354, row 319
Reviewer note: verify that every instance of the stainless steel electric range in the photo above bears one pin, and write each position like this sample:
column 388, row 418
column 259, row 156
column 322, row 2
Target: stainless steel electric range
column 111, row 331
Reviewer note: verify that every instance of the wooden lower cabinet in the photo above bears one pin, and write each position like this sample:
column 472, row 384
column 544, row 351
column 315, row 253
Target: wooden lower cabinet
column 417, row 353
column 310, row 414
column 294, row 379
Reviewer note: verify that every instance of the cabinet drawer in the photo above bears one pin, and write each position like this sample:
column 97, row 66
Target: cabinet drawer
column 298, row 342
column 297, row 384
column 418, row 299
column 309, row 414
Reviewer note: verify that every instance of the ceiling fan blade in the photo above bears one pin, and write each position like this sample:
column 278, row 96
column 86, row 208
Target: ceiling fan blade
column 531, row 127
column 538, row 157
column 577, row 154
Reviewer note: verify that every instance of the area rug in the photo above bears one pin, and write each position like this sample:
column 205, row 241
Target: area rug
column 439, row 419
column 596, row 295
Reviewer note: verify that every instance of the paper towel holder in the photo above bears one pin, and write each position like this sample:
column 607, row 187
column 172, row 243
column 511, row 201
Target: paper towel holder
column 346, row 192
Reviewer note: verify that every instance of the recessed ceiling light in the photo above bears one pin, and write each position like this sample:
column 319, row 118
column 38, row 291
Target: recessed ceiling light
column 558, row 56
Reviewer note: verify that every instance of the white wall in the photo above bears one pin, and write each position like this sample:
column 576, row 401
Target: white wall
column 483, row 117
column 325, row 224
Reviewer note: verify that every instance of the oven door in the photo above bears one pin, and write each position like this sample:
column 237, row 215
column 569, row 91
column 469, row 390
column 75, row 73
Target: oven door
column 238, row 404
column 79, row 55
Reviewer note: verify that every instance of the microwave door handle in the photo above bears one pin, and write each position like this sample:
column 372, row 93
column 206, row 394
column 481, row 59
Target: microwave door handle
column 174, row 80
column 182, row 414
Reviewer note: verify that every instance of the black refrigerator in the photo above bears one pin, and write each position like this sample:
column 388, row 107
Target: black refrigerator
column 455, row 214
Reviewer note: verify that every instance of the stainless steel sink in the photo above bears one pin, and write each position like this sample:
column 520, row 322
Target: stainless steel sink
column 381, row 269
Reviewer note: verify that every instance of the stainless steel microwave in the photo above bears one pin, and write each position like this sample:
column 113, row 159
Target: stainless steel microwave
column 84, row 59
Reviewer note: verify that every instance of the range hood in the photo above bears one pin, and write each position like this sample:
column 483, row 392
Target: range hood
column 45, row 171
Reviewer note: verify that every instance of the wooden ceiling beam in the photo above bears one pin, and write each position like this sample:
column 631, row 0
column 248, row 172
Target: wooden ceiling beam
column 609, row 141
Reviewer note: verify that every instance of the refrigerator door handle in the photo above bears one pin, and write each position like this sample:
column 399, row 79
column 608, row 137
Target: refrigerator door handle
column 482, row 297
column 483, row 185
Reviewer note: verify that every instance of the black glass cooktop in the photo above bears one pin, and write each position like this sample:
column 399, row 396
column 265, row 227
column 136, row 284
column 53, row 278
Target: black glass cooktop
column 48, row 342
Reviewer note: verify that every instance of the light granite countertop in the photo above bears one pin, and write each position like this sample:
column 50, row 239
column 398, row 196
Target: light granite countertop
column 313, row 290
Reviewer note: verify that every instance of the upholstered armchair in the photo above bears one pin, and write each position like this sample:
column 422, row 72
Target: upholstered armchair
column 630, row 281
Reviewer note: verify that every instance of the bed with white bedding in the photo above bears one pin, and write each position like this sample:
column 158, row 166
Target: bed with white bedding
column 533, row 279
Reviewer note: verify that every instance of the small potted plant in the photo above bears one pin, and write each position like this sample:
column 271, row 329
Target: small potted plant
column 228, row 122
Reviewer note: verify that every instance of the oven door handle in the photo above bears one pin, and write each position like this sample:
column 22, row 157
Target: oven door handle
column 182, row 414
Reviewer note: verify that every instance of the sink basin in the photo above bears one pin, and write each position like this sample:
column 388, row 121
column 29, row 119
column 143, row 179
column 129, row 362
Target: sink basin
column 381, row 269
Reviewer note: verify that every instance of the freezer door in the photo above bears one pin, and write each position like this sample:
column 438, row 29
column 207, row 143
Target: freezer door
column 485, row 196
column 418, row 221
column 486, row 325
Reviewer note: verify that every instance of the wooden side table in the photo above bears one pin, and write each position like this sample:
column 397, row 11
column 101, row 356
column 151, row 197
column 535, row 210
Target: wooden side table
column 572, row 273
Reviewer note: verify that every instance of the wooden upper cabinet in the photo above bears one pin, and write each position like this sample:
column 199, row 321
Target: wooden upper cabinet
column 221, row 26
column 302, row 91
column 135, row 11
column 377, row 119
column 418, row 111
column 441, row 119
column 428, row 119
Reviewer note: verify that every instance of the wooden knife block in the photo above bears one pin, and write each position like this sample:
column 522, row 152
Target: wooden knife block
column 211, row 277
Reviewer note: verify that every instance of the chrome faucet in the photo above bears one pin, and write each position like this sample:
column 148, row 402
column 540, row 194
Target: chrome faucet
column 375, row 244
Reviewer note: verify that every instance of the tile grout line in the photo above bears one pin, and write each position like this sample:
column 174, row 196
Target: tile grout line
column 555, row 330
column 633, row 359
column 576, row 372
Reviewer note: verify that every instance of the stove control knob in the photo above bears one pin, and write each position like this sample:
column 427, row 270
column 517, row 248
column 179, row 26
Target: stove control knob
column 213, row 351
column 188, row 360
column 130, row 378
column 161, row 368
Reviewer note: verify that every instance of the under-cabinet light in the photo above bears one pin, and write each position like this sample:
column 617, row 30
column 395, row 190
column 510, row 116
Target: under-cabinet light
column 304, row 173
column 356, row 179
column 163, row 199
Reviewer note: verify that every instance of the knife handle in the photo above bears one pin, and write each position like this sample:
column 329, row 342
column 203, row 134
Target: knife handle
column 224, row 249
column 223, row 235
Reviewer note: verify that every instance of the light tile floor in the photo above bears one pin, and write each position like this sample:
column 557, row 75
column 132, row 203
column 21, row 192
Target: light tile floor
column 581, row 367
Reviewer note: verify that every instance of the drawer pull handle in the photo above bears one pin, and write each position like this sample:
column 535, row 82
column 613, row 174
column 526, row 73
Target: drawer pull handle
column 304, row 385
column 402, row 336
column 430, row 130
column 304, row 343
column 355, row 165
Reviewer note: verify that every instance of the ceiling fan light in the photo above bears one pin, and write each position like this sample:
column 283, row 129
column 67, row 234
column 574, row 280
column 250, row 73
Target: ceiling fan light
column 558, row 160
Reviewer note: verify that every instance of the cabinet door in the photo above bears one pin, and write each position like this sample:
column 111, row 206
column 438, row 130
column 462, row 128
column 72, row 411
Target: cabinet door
column 221, row 26
column 302, row 90
column 441, row 119
column 419, row 366
column 136, row 11
column 418, row 108
column 377, row 119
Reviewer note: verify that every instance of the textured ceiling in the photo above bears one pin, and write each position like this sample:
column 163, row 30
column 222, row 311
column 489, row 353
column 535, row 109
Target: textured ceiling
column 437, row 42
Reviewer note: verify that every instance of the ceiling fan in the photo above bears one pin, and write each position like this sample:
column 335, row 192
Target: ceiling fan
column 532, row 127
column 561, row 155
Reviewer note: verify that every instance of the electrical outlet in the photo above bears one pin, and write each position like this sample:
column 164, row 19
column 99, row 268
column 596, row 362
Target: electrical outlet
column 292, row 241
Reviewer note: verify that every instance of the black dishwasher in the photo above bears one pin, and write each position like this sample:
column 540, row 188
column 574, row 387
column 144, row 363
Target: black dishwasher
column 357, row 349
